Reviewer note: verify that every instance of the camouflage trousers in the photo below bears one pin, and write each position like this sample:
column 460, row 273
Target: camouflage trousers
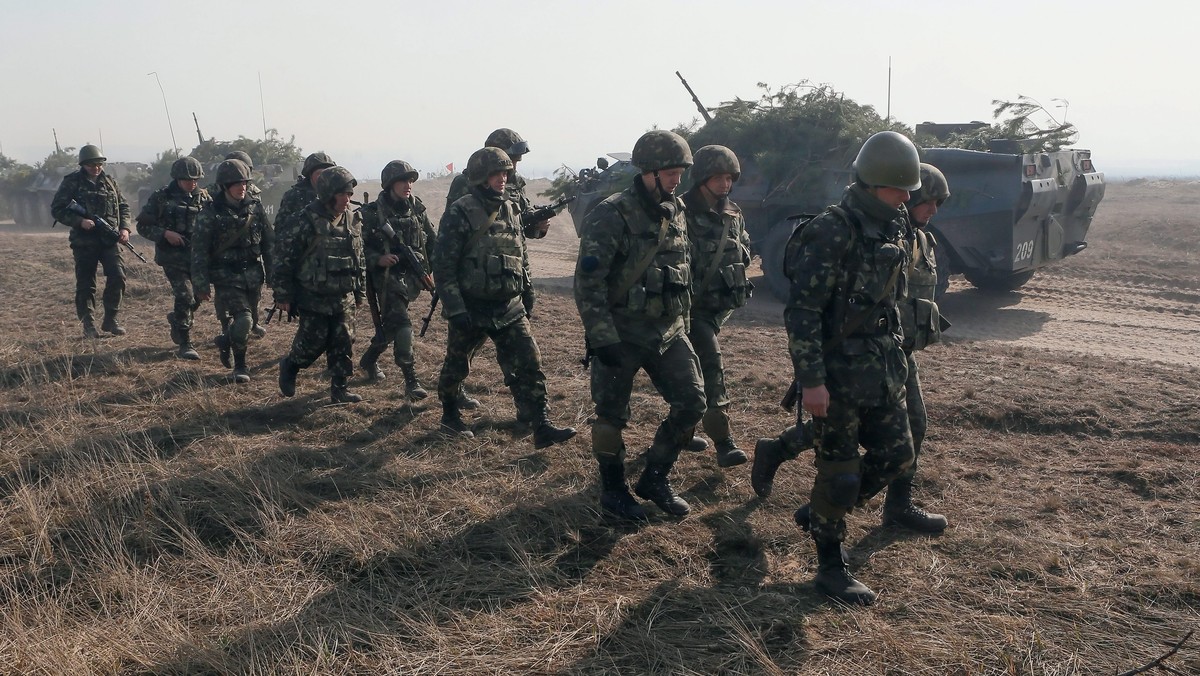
column 520, row 362
column 703, row 337
column 180, row 278
column 675, row 374
column 395, row 329
column 87, row 258
column 847, row 478
column 918, row 419
column 237, row 304
column 332, row 334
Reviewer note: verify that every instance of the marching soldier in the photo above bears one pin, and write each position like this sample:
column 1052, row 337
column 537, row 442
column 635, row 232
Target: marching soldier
column 100, row 196
column 394, row 226
column 231, row 252
column 168, row 219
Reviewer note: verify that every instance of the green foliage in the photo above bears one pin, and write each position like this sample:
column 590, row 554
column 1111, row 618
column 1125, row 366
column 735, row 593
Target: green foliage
column 67, row 157
column 1019, row 125
column 271, row 150
column 14, row 175
column 794, row 134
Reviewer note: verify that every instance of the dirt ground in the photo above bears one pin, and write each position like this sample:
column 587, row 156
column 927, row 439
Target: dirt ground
column 156, row 518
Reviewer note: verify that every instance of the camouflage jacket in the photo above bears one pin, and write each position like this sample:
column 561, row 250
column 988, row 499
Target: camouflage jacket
column 300, row 195
column 321, row 266
column 514, row 190
column 412, row 227
column 231, row 245
column 619, row 234
column 101, row 198
column 480, row 262
column 919, row 314
column 170, row 208
column 838, row 264
column 718, row 286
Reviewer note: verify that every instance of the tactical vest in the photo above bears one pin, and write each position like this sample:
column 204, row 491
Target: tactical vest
column 491, row 266
column 236, row 245
column 663, row 289
column 176, row 211
column 334, row 256
column 720, row 286
column 102, row 198
column 919, row 313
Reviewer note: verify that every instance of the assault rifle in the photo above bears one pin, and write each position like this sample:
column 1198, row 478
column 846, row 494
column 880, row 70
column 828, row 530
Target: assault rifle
column 410, row 258
column 545, row 213
column 428, row 316
column 108, row 233
column 292, row 314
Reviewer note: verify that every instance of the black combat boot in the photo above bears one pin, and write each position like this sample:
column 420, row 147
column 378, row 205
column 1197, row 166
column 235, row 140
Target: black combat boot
column 452, row 422
column 110, row 325
column 803, row 518
column 258, row 330
column 545, row 434
column 655, row 487
column 186, row 350
column 696, row 444
column 338, row 392
column 89, row 328
column 223, row 348
column 728, row 454
column 899, row 510
column 833, row 576
column 241, row 374
column 287, row 376
column 412, row 386
column 768, row 456
column 370, row 363
column 614, row 494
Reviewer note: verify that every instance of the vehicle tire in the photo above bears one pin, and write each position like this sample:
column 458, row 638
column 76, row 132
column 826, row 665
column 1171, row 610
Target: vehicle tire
column 771, row 251
column 993, row 282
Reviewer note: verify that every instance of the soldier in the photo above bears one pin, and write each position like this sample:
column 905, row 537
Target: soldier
column 255, row 193
column 515, row 147
column 846, row 267
column 396, row 219
column 482, row 272
column 320, row 273
column 720, row 255
column 303, row 193
column 168, row 219
column 232, row 243
column 923, row 326
column 99, row 194
column 632, row 288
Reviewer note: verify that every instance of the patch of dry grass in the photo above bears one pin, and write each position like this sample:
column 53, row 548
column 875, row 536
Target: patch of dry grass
column 154, row 517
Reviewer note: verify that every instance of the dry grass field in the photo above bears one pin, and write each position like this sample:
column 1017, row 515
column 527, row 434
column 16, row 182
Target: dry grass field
column 157, row 518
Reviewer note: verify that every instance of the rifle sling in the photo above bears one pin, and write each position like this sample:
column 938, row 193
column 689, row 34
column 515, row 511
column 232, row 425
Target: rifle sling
column 716, row 261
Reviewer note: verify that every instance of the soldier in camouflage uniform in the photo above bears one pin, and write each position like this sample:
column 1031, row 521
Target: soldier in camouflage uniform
column 231, row 251
column 100, row 195
column 168, row 219
column 396, row 219
column 254, row 192
column 633, row 291
column 300, row 195
column 846, row 268
column 515, row 147
column 720, row 256
column 482, row 272
column 320, row 273
column 923, row 326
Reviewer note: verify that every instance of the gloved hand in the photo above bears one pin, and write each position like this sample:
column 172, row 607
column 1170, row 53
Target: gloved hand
column 527, row 300
column 667, row 209
column 609, row 355
column 460, row 321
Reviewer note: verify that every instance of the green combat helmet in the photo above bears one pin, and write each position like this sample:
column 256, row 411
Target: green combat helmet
column 713, row 160
column 485, row 162
column 397, row 170
column 316, row 161
column 507, row 140
column 889, row 160
column 661, row 149
column 934, row 187
column 187, row 169
column 232, row 171
column 334, row 180
column 243, row 156
column 91, row 153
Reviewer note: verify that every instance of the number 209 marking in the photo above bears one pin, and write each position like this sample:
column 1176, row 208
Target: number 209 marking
column 1024, row 251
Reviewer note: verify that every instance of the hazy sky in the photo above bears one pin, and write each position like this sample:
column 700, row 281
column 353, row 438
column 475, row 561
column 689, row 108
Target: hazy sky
column 427, row 81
